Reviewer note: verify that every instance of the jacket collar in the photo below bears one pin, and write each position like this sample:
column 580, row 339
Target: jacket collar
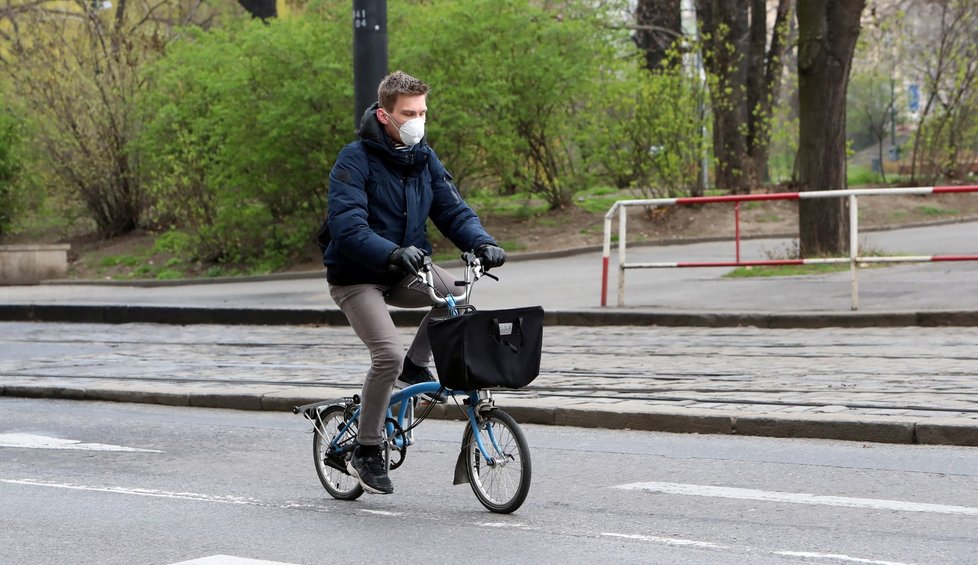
column 372, row 133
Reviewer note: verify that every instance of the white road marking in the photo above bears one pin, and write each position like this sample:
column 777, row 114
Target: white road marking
column 221, row 499
column 381, row 512
column 667, row 541
column 806, row 555
column 229, row 560
column 798, row 498
column 135, row 491
column 835, row 557
column 31, row 441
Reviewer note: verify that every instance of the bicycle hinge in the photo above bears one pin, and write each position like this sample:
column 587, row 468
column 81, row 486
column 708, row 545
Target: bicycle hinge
column 486, row 403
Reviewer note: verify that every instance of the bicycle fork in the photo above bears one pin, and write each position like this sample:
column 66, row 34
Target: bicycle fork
column 477, row 412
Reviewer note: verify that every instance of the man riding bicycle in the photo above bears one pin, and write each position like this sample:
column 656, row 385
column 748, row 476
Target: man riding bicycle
column 382, row 189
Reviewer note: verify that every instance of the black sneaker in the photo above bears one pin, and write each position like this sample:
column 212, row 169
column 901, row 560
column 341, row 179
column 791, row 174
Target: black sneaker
column 412, row 375
column 371, row 470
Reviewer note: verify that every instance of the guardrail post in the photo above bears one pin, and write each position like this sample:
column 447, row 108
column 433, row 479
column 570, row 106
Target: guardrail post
column 737, row 228
column 606, row 255
column 854, row 251
column 622, row 218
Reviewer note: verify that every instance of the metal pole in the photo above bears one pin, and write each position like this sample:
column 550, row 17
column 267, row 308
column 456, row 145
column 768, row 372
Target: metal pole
column 622, row 219
column 737, row 228
column 854, row 250
column 690, row 28
column 369, row 53
column 606, row 254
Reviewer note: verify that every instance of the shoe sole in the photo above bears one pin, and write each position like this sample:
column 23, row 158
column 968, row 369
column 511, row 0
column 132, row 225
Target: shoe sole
column 366, row 488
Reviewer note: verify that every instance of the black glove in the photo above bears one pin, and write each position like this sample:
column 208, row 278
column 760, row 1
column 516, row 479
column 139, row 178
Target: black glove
column 492, row 256
column 407, row 259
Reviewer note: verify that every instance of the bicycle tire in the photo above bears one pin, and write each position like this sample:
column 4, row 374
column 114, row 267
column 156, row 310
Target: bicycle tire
column 339, row 484
column 502, row 487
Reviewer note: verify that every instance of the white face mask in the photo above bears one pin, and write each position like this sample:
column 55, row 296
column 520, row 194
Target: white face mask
column 410, row 131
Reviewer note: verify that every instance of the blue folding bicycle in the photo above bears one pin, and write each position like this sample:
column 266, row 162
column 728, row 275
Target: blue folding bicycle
column 494, row 458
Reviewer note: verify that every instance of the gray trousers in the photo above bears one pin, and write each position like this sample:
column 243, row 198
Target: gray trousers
column 365, row 307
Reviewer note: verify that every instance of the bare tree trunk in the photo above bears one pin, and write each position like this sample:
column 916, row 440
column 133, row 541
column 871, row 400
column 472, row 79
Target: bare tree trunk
column 725, row 27
column 764, row 82
column 659, row 25
column 263, row 9
column 828, row 31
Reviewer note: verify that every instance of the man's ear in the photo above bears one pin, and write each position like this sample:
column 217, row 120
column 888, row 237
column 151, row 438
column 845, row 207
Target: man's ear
column 381, row 116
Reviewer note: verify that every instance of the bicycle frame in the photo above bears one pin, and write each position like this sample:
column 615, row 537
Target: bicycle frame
column 475, row 401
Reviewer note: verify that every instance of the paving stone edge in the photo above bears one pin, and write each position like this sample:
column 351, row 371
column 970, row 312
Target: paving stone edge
column 878, row 429
column 122, row 314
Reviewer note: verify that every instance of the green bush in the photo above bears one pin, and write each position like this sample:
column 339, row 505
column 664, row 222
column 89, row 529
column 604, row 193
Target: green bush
column 652, row 132
column 241, row 126
column 512, row 88
column 11, row 196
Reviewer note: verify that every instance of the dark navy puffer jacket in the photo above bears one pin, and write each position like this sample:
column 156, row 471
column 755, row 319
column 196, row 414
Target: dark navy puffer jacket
column 380, row 198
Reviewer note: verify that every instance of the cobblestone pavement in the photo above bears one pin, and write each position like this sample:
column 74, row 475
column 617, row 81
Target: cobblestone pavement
column 920, row 384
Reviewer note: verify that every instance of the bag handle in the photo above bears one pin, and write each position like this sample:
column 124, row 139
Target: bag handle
column 517, row 330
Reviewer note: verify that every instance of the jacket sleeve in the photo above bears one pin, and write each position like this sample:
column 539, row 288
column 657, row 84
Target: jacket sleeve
column 451, row 215
column 348, row 212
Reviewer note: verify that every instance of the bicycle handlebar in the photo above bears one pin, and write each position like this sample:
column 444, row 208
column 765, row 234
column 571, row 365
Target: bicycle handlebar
column 473, row 272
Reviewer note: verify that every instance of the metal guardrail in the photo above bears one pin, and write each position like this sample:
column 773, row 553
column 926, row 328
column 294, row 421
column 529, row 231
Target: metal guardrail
column 854, row 259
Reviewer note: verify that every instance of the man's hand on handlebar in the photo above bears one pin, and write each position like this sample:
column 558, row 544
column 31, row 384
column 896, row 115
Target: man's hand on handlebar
column 408, row 259
column 492, row 256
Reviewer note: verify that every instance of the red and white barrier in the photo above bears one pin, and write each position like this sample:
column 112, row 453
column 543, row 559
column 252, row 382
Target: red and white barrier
column 853, row 259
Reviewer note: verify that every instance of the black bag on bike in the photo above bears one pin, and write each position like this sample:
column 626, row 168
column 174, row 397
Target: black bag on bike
column 488, row 348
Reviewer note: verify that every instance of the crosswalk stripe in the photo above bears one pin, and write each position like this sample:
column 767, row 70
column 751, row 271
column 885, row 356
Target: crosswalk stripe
column 797, row 498
column 229, row 560
column 32, row 441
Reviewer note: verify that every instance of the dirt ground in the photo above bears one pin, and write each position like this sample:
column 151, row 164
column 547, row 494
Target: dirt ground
column 574, row 228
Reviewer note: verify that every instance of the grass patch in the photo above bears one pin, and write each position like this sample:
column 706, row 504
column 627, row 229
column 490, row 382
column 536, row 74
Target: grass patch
column 786, row 270
column 600, row 199
column 792, row 252
column 935, row 211
column 169, row 274
column 122, row 261
column 516, row 205
column 597, row 204
column 768, row 218
column 858, row 175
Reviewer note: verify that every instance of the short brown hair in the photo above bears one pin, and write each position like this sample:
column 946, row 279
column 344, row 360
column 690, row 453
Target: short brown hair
column 399, row 84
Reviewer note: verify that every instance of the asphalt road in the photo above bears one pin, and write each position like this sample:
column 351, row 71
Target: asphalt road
column 109, row 483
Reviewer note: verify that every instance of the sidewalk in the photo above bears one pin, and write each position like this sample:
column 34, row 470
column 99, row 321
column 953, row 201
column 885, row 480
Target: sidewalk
column 691, row 351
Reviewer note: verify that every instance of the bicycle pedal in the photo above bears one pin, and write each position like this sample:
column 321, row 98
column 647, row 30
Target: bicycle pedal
column 337, row 462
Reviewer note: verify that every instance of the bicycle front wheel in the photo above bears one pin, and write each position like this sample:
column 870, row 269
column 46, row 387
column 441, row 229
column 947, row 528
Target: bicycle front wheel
column 331, row 466
column 502, row 484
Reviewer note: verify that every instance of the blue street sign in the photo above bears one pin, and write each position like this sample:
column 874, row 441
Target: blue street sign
column 913, row 97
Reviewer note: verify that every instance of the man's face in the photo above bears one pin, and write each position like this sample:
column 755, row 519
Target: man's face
column 406, row 108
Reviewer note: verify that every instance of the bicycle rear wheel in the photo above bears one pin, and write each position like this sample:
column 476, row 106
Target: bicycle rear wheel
column 331, row 466
column 501, row 486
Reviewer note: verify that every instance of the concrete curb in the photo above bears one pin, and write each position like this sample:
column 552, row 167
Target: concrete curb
column 121, row 314
column 877, row 429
